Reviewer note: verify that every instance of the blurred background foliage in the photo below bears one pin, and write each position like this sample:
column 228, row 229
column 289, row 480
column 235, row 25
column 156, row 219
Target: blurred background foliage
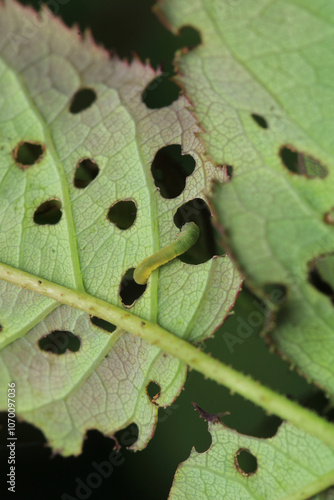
column 130, row 27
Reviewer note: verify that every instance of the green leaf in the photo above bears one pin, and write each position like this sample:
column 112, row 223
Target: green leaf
column 245, row 467
column 76, row 139
column 261, row 86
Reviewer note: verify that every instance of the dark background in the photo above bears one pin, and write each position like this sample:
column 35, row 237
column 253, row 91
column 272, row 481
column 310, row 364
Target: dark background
column 129, row 27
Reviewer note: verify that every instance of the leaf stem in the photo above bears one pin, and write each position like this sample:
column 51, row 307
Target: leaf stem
column 179, row 348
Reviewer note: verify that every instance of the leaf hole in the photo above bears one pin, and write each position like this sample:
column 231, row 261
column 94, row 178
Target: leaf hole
column 101, row 323
column 0, row 328
column 275, row 292
column 329, row 216
column 190, row 37
column 153, row 391
column 128, row 436
column 262, row 122
column 59, row 341
column 268, row 428
column 48, row 212
column 28, row 153
column 245, row 462
column 229, row 170
column 197, row 211
column 160, row 92
column 129, row 290
column 85, row 172
column 317, row 269
column 82, row 100
column 203, row 440
column 170, row 169
column 123, row 213
column 95, row 440
column 301, row 163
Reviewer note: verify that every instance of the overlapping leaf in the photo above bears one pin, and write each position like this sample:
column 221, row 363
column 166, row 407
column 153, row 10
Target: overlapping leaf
column 261, row 84
column 44, row 68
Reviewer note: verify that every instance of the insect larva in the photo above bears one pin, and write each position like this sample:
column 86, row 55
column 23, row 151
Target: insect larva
column 187, row 238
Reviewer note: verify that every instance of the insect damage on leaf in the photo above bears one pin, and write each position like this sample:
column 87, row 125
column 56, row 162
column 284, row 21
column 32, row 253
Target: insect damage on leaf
column 82, row 208
column 257, row 467
column 262, row 100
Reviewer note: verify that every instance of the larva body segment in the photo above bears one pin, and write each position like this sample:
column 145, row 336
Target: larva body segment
column 188, row 236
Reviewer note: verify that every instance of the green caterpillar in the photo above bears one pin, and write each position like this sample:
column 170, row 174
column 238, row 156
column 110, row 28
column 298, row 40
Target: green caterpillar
column 187, row 238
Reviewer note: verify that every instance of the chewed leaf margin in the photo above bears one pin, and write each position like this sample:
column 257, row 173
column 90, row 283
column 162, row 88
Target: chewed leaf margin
column 271, row 467
column 90, row 145
column 262, row 102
